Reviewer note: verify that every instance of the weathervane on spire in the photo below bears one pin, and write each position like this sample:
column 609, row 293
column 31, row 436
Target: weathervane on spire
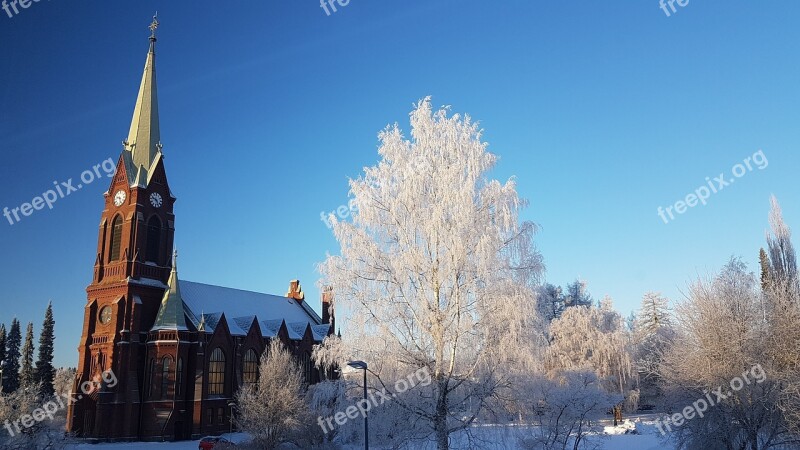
column 153, row 27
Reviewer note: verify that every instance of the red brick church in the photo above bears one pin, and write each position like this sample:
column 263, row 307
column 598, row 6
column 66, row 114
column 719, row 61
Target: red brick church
column 179, row 349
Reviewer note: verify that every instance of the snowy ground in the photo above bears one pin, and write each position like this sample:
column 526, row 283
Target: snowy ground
column 492, row 437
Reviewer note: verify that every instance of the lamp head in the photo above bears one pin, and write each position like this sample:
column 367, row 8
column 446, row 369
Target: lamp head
column 358, row 365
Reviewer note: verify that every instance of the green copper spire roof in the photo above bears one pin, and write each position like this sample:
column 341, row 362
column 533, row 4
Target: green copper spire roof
column 171, row 315
column 143, row 145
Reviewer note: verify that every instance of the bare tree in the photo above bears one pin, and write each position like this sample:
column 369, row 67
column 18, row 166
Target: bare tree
column 781, row 306
column 720, row 335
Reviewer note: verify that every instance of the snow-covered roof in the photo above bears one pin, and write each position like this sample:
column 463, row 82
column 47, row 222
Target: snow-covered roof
column 242, row 307
column 270, row 328
column 320, row 331
column 297, row 330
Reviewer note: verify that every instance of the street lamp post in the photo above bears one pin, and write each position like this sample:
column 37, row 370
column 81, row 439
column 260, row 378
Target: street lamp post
column 363, row 365
column 231, row 404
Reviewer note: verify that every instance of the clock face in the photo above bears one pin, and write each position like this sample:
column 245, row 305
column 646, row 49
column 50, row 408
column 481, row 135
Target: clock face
column 155, row 199
column 119, row 198
column 105, row 315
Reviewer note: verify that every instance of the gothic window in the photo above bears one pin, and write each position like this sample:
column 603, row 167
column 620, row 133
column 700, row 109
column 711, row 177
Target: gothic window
column 306, row 365
column 153, row 239
column 216, row 373
column 116, row 239
column 179, row 377
column 250, row 368
column 165, row 363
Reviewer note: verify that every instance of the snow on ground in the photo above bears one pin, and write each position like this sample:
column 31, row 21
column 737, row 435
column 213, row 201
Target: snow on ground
column 638, row 433
column 182, row 445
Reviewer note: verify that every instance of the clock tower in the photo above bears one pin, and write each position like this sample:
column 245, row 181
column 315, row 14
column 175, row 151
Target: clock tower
column 131, row 269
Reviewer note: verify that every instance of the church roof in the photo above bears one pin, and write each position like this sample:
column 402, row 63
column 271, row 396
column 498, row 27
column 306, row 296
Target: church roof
column 270, row 328
column 320, row 331
column 187, row 304
column 241, row 307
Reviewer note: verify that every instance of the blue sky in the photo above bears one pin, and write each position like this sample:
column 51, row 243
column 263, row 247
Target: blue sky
column 604, row 111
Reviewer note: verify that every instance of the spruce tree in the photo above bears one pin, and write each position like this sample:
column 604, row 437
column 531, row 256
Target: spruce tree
column 11, row 361
column 45, row 372
column 26, row 376
column 654, row 314
column 2, row 349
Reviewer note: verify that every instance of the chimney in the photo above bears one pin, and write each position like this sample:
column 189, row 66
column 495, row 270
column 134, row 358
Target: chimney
column 295, row 291
column 328, row 314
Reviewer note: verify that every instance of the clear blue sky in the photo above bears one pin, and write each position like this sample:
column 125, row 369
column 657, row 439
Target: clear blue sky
column 604, row 111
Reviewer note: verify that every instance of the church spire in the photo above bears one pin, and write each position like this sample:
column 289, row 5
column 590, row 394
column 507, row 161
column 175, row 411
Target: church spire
column 144, row 138
column 171, row 315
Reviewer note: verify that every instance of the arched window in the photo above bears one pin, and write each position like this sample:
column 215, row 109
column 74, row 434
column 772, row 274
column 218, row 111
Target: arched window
column 179, row 378
column 116, row 239
column 153, row 239
column 216, row 373
column 306, row 365
column 165, row 363
column 250, row 367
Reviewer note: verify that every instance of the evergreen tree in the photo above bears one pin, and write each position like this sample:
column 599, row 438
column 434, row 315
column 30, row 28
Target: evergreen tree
column 45, row 372
column 549, row 302
column 630, row 322
column 765, row 269
column 26, row 376
column 653, row 333
column 654, row 314
column 2, row 349
column 11, row 361
column 577, row 294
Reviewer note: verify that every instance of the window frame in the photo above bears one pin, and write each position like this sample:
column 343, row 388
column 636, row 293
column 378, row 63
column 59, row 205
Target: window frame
column 115, row 245
column 250, row 367
column 216, row 372
column 166, row 362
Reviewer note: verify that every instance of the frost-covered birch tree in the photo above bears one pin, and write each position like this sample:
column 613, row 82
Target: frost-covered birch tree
column 436, row 271
column 273, row 409
column 593, row 338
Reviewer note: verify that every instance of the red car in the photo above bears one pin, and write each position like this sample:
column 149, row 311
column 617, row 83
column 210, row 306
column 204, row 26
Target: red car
column 209, row 442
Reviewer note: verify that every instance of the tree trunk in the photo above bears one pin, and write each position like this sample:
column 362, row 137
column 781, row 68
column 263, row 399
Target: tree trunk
column 440, row 419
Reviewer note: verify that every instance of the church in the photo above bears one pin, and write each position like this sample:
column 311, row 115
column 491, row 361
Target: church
column 179, row 350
